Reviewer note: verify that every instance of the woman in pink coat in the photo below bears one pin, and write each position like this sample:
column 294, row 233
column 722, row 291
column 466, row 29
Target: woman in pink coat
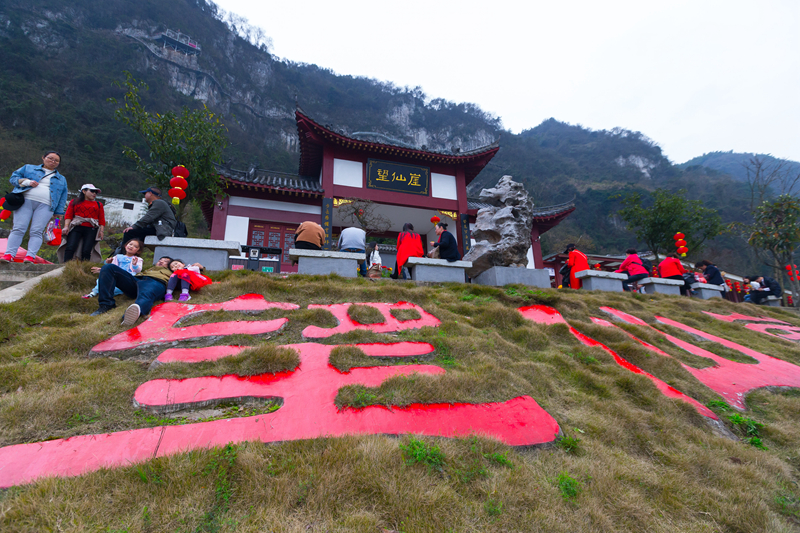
column 634, row 268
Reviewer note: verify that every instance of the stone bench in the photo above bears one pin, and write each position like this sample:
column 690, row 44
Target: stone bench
column 661, row 286
column 499, row 276
column 438, row 270
column 599, row 280
column 773, row 301
column 210, row 253
column 704, row 291
column 326, row 262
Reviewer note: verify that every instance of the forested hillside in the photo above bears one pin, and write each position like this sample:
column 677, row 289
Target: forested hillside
column 735, row 164
column 60, row 59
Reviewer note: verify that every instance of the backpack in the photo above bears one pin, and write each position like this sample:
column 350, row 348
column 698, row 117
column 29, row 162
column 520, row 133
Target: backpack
column 180, row 230
column 647, row 264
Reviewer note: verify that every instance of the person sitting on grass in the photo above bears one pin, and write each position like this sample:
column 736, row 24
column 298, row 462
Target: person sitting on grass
column 147, row 287
column 129, row 262
column 190, row 277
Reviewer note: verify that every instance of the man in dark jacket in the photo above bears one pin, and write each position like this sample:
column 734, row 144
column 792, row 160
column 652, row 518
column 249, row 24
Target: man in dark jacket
column 769, row 287
column 159, row 220
column 712, row 274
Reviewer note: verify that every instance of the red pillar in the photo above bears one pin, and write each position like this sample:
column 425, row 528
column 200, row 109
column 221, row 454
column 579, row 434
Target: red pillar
column 461, row 187
column 220, row 218
column 536, row 246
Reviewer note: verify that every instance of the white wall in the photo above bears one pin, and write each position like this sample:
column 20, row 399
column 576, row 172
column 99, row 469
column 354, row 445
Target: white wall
column 258, row 203
column 443, row 186
column 236, row 229
column 348, row 173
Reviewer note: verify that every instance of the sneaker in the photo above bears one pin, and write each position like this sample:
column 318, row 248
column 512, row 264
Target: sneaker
column 88, row 296
column 29, row 259
column 168, row 297
column 131, row 315
column 7, row 258
column 184, row 298
column 101, row 310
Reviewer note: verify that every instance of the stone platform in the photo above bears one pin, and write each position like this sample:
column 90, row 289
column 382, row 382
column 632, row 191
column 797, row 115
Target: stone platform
column 210, row 253
column 704, row 291
column 437, row 270
column 326, row 262
column 598, row 280
column 661, row 286
column 500, row 276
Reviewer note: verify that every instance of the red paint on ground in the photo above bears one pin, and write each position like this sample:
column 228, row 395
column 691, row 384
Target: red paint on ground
column 197, row 355
column 308, row 412
column 160, row 327
column 389, row 325
column 792, row 332
column 543, row 314
column 729, row 379
column 736, row 316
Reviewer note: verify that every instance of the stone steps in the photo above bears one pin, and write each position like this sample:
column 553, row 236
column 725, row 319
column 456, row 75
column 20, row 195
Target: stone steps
column 13, row 273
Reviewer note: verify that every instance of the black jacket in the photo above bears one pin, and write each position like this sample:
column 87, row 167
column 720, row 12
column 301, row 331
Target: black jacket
column 772, row 285
column 713, row 276
column 448, row 249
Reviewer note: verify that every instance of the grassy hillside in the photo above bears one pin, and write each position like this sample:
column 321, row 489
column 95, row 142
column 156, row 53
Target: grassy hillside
column 629, row 460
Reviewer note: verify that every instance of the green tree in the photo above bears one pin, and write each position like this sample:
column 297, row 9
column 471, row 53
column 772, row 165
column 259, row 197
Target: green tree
column 656, row 223
column 195, row 138
column 775, row 234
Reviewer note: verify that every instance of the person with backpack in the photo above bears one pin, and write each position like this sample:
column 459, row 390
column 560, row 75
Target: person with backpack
column 634, row 267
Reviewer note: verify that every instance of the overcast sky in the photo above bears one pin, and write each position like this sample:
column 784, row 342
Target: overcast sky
column 695, row 76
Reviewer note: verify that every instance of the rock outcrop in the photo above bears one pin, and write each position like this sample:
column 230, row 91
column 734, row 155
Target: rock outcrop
column 503, row 231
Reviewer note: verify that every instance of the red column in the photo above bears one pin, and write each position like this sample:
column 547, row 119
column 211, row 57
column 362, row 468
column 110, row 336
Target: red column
column 536, row 246
column 327, row 171
column 220, row 218
column 461, row 187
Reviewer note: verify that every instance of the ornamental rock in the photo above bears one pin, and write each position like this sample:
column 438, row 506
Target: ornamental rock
column 502, row 232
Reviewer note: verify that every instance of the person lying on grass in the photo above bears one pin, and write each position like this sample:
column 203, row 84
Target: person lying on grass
column 190, row 277
column 129, row 262
column 147, row 287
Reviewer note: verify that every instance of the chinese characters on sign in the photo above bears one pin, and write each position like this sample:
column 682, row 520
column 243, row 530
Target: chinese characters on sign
column 397, row 177
column 327, row 218
column 465, row 236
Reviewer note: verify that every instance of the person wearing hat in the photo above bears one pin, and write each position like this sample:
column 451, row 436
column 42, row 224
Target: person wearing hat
column 84, row 223
column 44, row 193
column 159, row 220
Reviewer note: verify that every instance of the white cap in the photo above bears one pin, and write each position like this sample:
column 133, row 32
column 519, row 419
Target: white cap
column 90, row 187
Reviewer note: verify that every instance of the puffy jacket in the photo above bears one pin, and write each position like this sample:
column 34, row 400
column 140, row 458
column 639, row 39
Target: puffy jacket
column 632, row 265
column 671, row 267
column 161, row 216
column 58, row 185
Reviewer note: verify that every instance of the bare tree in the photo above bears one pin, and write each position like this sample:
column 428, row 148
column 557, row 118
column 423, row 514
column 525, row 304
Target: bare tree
column 768, row 177
column 365, row 214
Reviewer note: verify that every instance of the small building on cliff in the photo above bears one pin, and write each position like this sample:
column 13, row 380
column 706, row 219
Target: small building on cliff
column 264, row 208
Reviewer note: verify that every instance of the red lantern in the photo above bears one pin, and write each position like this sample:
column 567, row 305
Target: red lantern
column 177, row 193
column 181, row 171
column 678, row 236
column 680, row 243
column 435, row 219
column 683, row 250
column 178, row 182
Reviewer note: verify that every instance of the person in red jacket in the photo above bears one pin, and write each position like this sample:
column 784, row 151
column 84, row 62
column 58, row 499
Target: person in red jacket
column 634, row 268
column 409, row 244
column 84, row 223
column 672, row 268
column 577, row 262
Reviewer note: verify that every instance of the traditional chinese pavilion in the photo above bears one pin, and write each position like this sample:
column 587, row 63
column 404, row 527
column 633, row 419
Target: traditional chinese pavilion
column 263, row 208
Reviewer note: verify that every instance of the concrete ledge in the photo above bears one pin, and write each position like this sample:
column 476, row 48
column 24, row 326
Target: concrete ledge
column 599, row 280
column 437, row 270
column 326, row 262
column 704, row 291
column 498, row 276
column 773, row 301
column 12, row 294
column 210, row 253
column 661, row 286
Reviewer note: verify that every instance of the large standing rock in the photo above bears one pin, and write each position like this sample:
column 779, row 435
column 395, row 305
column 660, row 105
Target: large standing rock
column 503, row 231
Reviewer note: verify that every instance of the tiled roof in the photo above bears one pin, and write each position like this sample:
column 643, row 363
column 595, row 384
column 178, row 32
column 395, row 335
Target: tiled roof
column 546, row 211
column 269, row 179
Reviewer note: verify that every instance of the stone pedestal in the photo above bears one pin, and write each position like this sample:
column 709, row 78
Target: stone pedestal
column 212, row 254
column 598, row 280
column 704, row 291
column 437, row 270
column 324, row 262
column 661, row 286
column 773, row 301
column 499, row 276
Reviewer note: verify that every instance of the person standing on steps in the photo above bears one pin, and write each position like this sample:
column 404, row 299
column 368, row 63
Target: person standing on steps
column 159, row 220
column 45, row 195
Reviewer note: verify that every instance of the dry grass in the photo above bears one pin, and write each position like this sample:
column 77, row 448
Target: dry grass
column 637, row 461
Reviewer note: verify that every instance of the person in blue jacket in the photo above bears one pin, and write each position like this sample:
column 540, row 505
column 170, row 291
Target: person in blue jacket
column 448, row 248
column 45, row 192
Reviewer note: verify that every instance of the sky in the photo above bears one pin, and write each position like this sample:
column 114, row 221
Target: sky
column 694, row 76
